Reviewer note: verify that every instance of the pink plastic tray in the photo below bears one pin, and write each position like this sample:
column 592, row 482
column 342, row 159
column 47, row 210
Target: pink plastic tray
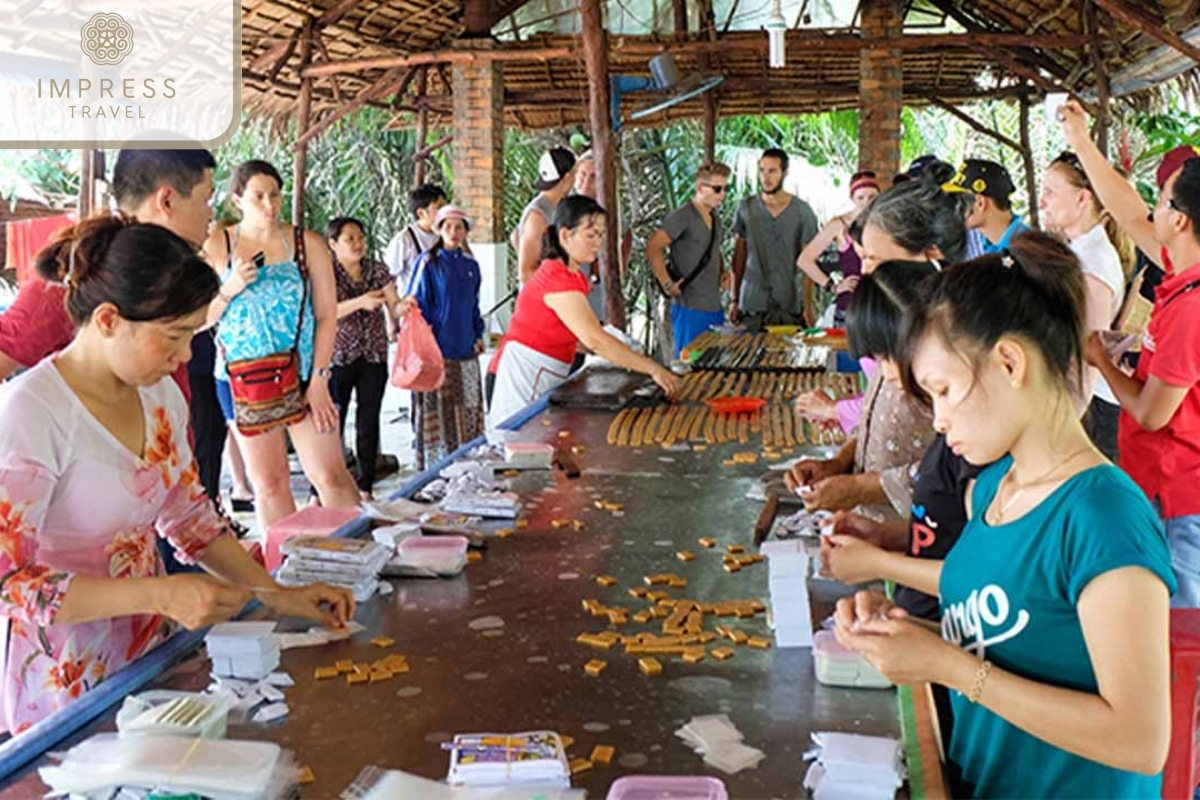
column 311, row 521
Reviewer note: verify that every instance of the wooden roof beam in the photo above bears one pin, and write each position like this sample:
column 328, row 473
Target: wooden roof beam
column 1028, row 73
column 838, row 40
column 334, row 15
column 1147, row 23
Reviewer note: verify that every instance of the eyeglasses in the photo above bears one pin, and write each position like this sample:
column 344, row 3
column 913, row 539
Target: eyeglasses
column 717, row 188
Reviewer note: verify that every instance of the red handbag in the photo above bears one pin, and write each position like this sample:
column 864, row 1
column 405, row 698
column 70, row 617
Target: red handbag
column 266, row 390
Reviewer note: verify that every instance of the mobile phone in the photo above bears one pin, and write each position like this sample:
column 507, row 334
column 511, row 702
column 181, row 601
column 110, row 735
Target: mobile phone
column 259, row 259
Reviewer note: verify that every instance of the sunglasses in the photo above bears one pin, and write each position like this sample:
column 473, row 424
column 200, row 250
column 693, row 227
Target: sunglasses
column 717, row 188
column 1069, row 159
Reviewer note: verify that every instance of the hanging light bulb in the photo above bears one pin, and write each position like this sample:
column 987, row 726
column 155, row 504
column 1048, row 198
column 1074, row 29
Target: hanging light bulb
column 776, row 36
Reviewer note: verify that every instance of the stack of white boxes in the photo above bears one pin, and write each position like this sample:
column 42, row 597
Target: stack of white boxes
column 787, row 563
column 246, row 650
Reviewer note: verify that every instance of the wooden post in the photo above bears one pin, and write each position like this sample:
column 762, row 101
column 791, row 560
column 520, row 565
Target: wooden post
column 1027, row 158
column 87, row 185
column 681, row 20
column 422, row 127
column 710, row 127
column 595, row 57
column 300, row 165
column 1100, row 74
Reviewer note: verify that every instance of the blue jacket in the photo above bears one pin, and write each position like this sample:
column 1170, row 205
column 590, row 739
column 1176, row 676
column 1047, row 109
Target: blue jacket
column 446, row 288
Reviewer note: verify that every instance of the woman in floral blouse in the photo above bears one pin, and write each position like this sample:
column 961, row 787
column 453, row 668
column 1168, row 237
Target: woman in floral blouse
column 360, row 351
column 95, row 466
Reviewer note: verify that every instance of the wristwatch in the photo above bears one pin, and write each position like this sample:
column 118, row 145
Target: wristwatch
column 324, row 372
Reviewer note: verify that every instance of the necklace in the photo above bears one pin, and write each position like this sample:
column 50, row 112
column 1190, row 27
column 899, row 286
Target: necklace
column 1027, row 484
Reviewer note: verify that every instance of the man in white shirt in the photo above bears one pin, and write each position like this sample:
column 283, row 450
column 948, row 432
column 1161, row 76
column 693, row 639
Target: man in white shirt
column 417, row 237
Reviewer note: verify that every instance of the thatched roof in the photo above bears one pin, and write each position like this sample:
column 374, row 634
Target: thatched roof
column 971, row 49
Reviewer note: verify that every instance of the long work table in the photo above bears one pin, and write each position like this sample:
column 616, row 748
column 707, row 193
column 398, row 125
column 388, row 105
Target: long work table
column 495, row 648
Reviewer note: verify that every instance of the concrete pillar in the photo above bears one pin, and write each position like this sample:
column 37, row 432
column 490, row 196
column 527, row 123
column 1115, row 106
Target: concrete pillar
column 479, row 165
column 880, row 90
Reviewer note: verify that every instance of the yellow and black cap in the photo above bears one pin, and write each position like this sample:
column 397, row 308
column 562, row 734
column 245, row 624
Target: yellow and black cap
column 983, row 177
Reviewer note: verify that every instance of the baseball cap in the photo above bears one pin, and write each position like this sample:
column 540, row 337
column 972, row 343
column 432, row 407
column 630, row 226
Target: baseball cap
column 1173, row 160
column 553, row 166
column 979, row 176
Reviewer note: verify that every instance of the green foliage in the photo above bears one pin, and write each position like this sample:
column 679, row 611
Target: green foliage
column 31, row 174
column 355, row 169
column 1161, row 132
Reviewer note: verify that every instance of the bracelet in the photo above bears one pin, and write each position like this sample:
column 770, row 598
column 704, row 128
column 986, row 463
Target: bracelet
column 981, row 676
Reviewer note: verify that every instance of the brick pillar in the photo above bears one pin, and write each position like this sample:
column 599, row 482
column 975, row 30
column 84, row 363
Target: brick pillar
column 479, row 164
column 880, row 90
column 479, row 144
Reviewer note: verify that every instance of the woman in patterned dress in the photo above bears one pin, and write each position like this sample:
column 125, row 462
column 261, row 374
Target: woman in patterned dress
column 95, row 466
column 360, row 351
column 258, row 310
column 445, row 286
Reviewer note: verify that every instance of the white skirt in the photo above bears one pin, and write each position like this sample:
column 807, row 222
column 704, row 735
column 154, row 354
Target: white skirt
column 523, row 376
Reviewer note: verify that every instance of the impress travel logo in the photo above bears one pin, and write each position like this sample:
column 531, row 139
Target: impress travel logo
column 119, row 73
column 106, row 39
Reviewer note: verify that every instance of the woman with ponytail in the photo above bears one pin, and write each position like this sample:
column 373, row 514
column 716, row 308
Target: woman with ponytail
column 552, row 317
column 1070, row 207
column 95, row 466
column 1054, row 600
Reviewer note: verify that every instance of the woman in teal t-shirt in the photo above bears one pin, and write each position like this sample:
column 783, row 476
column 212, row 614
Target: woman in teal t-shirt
column 1054, row 633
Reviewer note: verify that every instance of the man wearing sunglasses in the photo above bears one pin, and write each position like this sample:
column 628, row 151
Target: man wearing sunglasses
column 1159, row 427
column 770, row 230
column 692, row 274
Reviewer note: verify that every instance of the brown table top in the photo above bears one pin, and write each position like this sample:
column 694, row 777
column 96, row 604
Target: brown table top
column 528, row 674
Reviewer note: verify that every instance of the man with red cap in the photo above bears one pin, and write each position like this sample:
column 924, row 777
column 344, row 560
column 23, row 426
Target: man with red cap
column 1160, row 403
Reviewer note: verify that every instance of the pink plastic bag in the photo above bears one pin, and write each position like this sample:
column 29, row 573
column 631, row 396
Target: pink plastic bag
column 419, row 365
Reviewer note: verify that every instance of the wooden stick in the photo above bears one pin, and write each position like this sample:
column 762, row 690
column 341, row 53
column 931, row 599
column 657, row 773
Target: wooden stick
column 973, row 123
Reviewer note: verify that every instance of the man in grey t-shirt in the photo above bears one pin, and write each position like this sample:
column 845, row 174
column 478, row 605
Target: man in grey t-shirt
column 693, row 275
column 770, row 230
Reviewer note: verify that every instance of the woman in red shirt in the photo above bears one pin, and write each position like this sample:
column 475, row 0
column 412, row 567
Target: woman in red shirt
column 552, row 317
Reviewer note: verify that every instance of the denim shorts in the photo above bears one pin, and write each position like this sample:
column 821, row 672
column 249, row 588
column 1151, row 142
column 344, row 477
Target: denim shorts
column 225, row 398
column 1183, row 537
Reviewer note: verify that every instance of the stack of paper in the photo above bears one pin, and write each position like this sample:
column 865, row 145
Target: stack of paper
column 720, row 742
column 350, row 563
column 852, row 766
column 490, row 505
column 529, row 455
column 243, row 649
column 787, row 566
column 498, row 759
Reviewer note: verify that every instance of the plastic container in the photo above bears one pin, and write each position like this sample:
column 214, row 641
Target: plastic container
column 836, row 665
column 736, row 405
column 166, row 713
column 667, row 787
column 445, row 555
